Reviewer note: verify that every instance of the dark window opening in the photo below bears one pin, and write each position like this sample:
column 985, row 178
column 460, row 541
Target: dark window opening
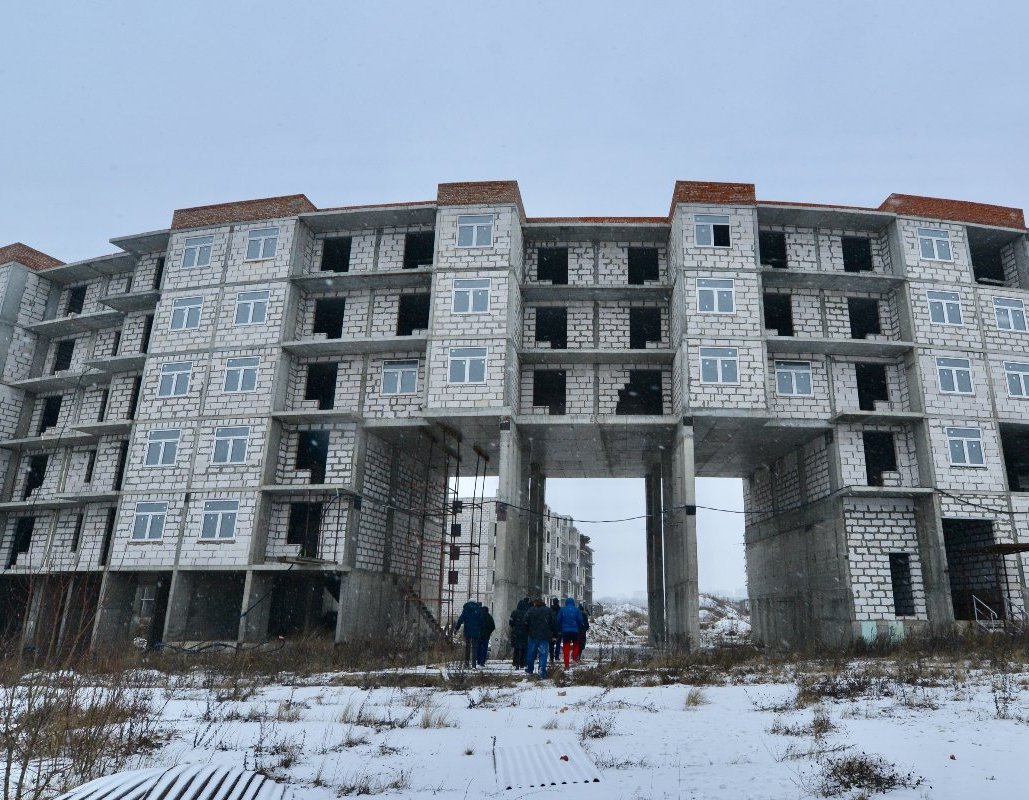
column 148, row 330
column 720, row 232
column 1015, row 447
column 455, row 552
column 552, row 265
column 328, row 316
column 857, row 254
column 864, row 317
column 128, row 283
column 119, row 472
column 642, row 394
column 105, row 547
column 975, row 569
column 22, row 539
column 36, row 474
column 63, row 354
column 76, row 300
column 548, row 389
column 137, row 386
column 772, row 245
column 903, row 592
column 880, row 455
column 418, row 249
column 643, row 265
column 552, row 326
column 452, row 577
column 987, row 263
column 313, row 453
column 336, row 254
column 105, row 396
column 116, row 343
column 159, row 273
column 90, row 466
column 779, row 313
column 76, row 534
column 455, row 530
column 412, row 314
column 51, row 412
column 304, row 527
column 871, row 385
column 644, row 326
column 321, row 384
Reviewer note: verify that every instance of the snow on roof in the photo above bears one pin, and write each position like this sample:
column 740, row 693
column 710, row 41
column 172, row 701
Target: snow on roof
column 183, row 782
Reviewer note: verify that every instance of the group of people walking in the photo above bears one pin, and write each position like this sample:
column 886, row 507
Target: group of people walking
column 478, row 627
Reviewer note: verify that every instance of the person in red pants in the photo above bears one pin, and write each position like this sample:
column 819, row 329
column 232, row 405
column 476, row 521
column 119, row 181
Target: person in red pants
column 570, row 622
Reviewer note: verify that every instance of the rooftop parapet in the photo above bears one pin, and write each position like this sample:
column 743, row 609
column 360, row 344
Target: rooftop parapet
column 242, row 211
column 475, row 193
column 27, row 256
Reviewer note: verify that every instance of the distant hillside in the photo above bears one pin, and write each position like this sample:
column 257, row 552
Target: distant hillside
column 721, row 621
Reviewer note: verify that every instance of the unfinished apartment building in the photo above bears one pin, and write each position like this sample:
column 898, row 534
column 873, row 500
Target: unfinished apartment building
column 567, row 560
column 249, row 423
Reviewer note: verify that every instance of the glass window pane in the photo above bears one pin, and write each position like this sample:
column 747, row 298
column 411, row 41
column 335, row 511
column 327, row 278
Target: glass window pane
column 803, row 381
column 408, row 381
column 480, row 300
column 704, row 235
column 1014, row 385
column 461, row 302
column 725, row 301
column 457, row 370
column 464, row 236
column 707, row 300
column 936, row 312
column 975, row 451
column 477, row 370
column 729, row 371
column 253, row 249
column 783, row 383
column 249, row 382
column 964, row 381
column 269, row 247
column 926, row 247
column 957, row 452
column 943, row 249
column 210, row 526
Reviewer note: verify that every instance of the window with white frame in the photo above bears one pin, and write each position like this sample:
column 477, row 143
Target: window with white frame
column 716, row 295
column 719, row 365
column 149, row 521
column 467, row 365
column 261, row 243
column 712, row 230
column 174, row 381
column 1017, row 374
column 400, row 377
column 471, row 295
column 966, row 447
column 197, row 251
column 230, row 445
column 475, row 230
column 186, row 313
column 944, row 307
column 793, row 378
column 241, row 374
column 219, row 519
column 934, row 245
column 955, row 375
column 251, row 308
column 161, row 448
column 1010, row 313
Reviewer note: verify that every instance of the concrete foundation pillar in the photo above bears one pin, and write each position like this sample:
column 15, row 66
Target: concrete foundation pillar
column 655, row 557
column 511, row 565
column 114, row 611
column 537, row 531
column 932, row 553
column 682, row 591
column 257, row 603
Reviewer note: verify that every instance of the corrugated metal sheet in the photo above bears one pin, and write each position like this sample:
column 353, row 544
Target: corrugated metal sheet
column 182, row 782
column 551, row 764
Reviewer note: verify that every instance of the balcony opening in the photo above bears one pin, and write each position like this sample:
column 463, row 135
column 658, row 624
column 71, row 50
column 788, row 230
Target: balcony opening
column 63, row 353
column 986, row 251
column 872, row 385
column 552, row 326
column 418, row 249
column 158, row 273
column 328, row 316
column 552, row 265
column 413, row 314
column 642, row 394
column 974, row 566
column 105, row 545
column 772, row 245
column 321, row 384
column 548, row 389
column 101, row 414
column 1014, row 444
column 857, row 254
column 22, row 539
column 90, row 467
column 36, row 474
column 304, row 527
column 336, row 254
column 880, row 456
column 123, row 460
column 300, row 604
column 864, row 317
column 313, row 453
column 51, row 413
column 900, row 578
column 779, row 314
column 644, row 327
column 643, row 265
column 76, row 300
column 148, row 330
column 137, row 388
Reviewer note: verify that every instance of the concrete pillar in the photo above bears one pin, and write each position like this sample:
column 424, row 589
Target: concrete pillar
column 655, row 557
column 114, row 611
column 257, row 603
column 682, row 591
column 511, row 565
column 932, row 553
column 537, row 531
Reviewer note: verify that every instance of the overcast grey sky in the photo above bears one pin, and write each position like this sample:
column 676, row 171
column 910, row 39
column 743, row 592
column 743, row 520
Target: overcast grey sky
column 112, row 114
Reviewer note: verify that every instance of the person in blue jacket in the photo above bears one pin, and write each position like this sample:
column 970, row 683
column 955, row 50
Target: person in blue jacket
column 570, row 622
column 471, row 619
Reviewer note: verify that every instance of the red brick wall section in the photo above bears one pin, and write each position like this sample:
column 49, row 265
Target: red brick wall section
column 241, row 211
column 28, row 256
column 909, row 205
column 476, row 193
column 709, row 193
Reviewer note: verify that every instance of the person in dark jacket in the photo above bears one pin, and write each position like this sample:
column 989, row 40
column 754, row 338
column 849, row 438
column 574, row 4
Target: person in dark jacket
column 471, row 620
column 486, row 628
column 570, row 622
column 555, row 643
column 519, row 633
column 582, row 633
column 539, row 623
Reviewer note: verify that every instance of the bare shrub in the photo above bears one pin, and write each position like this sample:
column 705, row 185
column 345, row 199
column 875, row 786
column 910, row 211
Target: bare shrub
column 365, row 784
column 865, row 773
column 695, row 697
column 597, row 726
column 434, row 716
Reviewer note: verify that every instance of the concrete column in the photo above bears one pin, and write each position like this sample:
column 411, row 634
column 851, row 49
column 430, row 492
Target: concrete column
column 537, row 531
column 114, row 611
column 655, row 557
column 511, row 563
column 682, row 591
column 257, row 603
column 932, row 553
